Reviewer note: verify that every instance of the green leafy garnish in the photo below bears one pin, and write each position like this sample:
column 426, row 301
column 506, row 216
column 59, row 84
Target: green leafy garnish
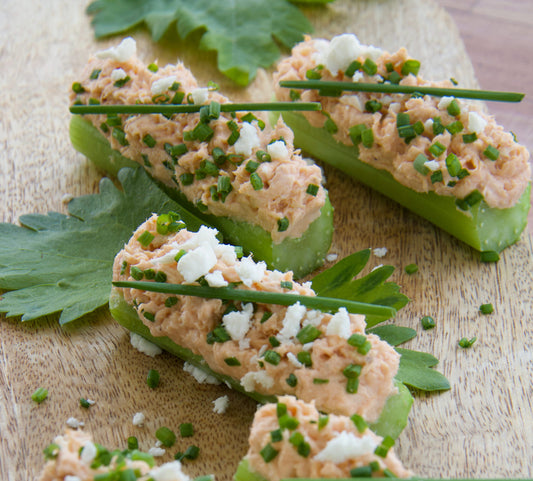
column 415, row 371
column 244, row 33
column 64, row 263
column 338, row 282
column 394, row 335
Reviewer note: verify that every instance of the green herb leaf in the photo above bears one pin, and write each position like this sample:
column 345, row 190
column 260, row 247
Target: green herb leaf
column 64, row 263
column 338, row 282
column 244, row 33
column 415, row 371
column 394, row 335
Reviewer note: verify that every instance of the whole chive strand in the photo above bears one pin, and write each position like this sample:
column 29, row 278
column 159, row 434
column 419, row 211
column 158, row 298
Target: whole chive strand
column 188, row 109
column 404, row 89
column 226, row 293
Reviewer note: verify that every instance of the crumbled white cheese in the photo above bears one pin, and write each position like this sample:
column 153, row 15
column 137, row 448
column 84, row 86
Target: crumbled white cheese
column 357, row 77
column 278, row 150
column 248, row 139
column 249, row 271
column 121, row 53
column 201, row 376
column 444, row 102
column 226, row 253
column 205, row 235
column 346, row 446
column 321, row 47
column 294, row 360
column 220, row 404
column 238, row 323
column 339, row 324
column 88, row 453
column 74, row 423
column 200, row 95
column 332, row 257
column 216, row 279
column 158, row 444
column 380, row 251
column 308, row 346
column 250, row 379
column 197, row 263
column 432, row 165
column 91, row 402
column 291, row 322
column 428, row 124
column 69, row 477
column 138, row 419
column 313, row 317
column 373, row 53
column 476, row 123
column 156, row 452
column 118, row 74
column 144, row 346
column 244, row 343
column 344, row 49
column 161, row 85
column 168, row 472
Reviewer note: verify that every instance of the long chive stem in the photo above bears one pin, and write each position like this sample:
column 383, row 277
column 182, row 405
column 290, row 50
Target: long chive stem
column 403, row 89
column 227, row 293
column 189, row 108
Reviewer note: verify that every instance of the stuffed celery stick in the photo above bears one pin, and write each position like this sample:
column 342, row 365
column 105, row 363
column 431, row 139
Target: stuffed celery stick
column 262, row 349
column 440, row 156
column 292, row 439
column 230, row 169
column 75, row 456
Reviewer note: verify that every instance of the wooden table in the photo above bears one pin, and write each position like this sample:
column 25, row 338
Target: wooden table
column 480, row 428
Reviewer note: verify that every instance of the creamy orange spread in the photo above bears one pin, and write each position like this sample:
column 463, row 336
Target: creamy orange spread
column 334, row 447
column 194, row 166
column 261, row 349
column 72, row 457
column 501, row 181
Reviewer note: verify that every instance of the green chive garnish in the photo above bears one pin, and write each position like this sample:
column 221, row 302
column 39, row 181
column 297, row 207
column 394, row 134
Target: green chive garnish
column 359, row 423
column 276, row 435
column 427, row 322
column 51, row 451
column 411, row 66
column 436, row 176
column 373, row 106
column 308, row 334
column 465, row 343
column 286, row 284
column 268, row 453
column 256, row 181
column 411, row 269
column 369, row 67
column 437, row 149
column 323, row 421
column 77, row 88
column 419, row 164
column 404, row 89
column 136, row 273
column 149, row 140
column 453, row 108
column 152, row 379
column 133, row 443
column 39, row 395
column 292, row 380
column 455, row 127
column 305, row 358
column 146, row 238
column 453, row 164
column 469, row 138
column 186, row 430
column 367, row 138
column 232, row 361
column 283, row 224
column 486, row 308
column 318, row 380
column 312, row 189
column 491, row 153
column 361, row 472
column 166, row 436
column 352, row 385
column 272, row 357
column 84, row 403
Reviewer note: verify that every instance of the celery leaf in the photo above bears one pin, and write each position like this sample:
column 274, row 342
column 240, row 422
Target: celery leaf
column 57, row 263
column 244, row 33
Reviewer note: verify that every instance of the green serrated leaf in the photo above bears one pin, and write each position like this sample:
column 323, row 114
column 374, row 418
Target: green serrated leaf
column 338, row 281
column 58, row 263
column 394, row 335
column 244, row 33
column 415, row 371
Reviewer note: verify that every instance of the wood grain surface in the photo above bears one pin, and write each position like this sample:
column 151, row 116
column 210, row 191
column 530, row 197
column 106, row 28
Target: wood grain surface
column 480, row 428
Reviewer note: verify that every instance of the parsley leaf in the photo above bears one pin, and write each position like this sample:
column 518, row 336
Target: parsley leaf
column 244, row 33
column 415, row 371
column 58, row 263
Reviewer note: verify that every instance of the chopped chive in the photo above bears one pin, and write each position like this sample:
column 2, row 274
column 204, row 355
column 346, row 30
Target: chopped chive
column 283, row 224
column 149, row 140
column 294, row 95
column 394, row 77
column 256, row 181
column 418, row 127
column 491, row 153
column 146, row 238
column 51, row 451
column 373, row 106
column 179, row 255
column 453, row 164
column 437, row 149
column 192, row 452
column 404, row 89
column 274, row 341
column 77, row 88
column 276, row 436
column 268, row 453
column 39, row 395
column 361, row 472
column 427, row 322
column 305, row 358
column 438, row 127
column 312, row 189
column 136, row 273
column 177, row 99
column 263, row 156
column 314, row 74
column 318, row 380
column 288, row 422
column 187, row 178
column 120, row 136
column 149, row 274
column 292, row 380
column 186, row 430
column 330, row 126
column 122, row 81
column 94, row 101
column 175, row 150
column 367, row 138
column 419, row 164
column 160, row 276
column 453, row 108
column 465, row 343
column 286, row 284
column 153, row 67
column 251, row 166
column 232, row 361
column 355, row 133
column 234, row 136
column 308, row 334
column 455, row 127
column 384, row 447
column 281, row 409
column 218, row 156
column 411, row 268
column 272, row 357
column 123, row 268
column 133, row 443
column 266, row 316
column 352, row 385
column 84, row 403
column 296, row 438
column 369, row 67
column 486, row 308
column 166, row 436
column 352, row 68
column 352, row 371
column 359, row 423
column 469, row 138
column 436, row 176
column 411, row 66
column 171, row 301
column 322, row 421
column 95, row 73
column 152, row 379
column 218, row 334
column 389, row 66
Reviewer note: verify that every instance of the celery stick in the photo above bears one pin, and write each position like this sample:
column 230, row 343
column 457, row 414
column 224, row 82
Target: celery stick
column 301, row 255
column 482, row 227
column 391, row 421
column 244, row 473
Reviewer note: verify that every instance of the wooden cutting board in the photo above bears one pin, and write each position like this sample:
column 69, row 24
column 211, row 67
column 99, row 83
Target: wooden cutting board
column 482, row 427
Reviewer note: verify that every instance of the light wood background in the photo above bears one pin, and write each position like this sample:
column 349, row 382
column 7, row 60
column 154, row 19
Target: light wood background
column 481, row 428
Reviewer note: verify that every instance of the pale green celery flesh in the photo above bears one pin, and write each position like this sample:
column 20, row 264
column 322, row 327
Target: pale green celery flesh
column 300, row 255
column 243, row 473
column 482, row 227
column 391, row 421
